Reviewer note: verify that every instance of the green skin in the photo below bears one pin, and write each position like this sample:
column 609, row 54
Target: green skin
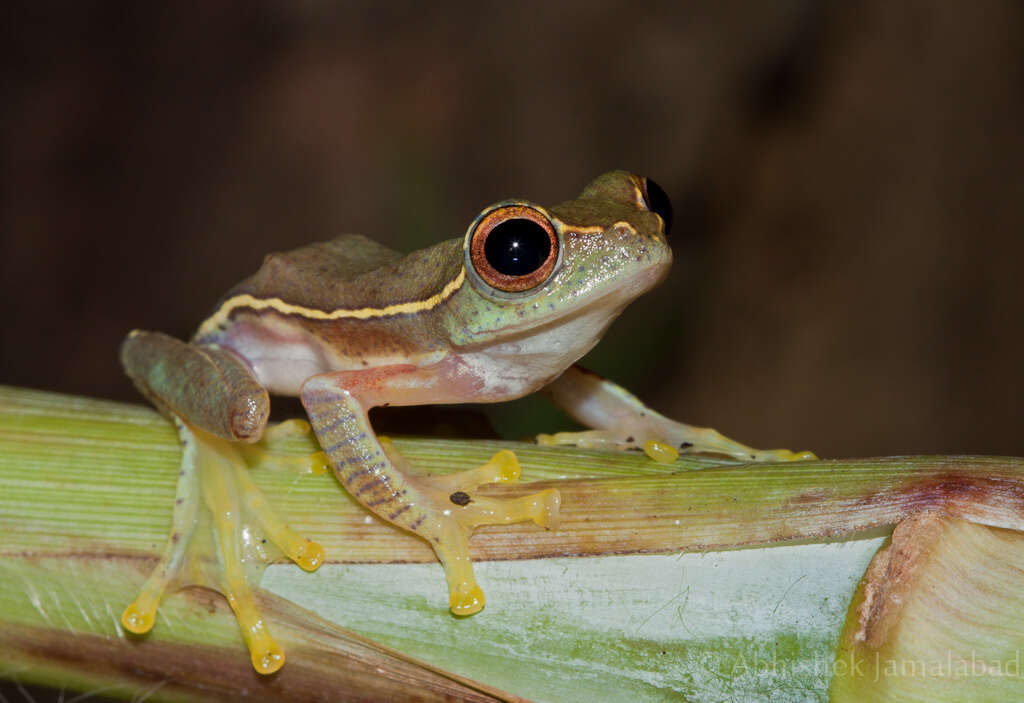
column 348, row 325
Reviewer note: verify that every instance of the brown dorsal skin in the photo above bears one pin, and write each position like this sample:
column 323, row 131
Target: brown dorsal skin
column 353, row 272
column 349, row 272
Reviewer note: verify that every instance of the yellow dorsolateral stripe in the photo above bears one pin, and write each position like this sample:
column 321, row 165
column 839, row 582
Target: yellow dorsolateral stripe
column 254, row 303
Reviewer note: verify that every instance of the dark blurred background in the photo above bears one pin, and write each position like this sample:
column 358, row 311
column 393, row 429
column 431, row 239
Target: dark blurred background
column 847, row 178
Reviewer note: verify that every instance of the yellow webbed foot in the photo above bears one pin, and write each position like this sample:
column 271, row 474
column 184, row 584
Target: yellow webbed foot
column 214, row 477
column 449, row 509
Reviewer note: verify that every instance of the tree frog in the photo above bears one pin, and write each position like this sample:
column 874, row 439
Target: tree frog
column 348, row 324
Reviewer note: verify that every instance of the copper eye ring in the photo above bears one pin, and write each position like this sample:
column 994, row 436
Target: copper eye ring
column 514, row 248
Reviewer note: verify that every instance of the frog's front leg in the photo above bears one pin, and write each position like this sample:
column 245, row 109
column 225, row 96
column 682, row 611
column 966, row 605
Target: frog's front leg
column 443, row 510
column 621, row 421
column 216, row 404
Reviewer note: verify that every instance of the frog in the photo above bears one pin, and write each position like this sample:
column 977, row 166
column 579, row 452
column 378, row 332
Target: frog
column 348, row 324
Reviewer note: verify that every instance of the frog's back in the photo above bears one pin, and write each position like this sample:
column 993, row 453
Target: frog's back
column 351, row 272
column 345, row 304
column 348, row 273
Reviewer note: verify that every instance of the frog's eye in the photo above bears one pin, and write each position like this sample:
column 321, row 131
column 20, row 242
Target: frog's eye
column 657, row 202
column 514, row 248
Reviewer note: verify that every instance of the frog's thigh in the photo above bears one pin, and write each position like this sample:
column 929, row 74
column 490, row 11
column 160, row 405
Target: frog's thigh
column 444, row 510
column 621, row 421
column 205, row 385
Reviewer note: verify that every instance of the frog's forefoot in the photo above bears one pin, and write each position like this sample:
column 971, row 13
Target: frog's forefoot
column 666, row 440
column 450, row 509
column 214, row 478
column 622, row 422
column 443, row 510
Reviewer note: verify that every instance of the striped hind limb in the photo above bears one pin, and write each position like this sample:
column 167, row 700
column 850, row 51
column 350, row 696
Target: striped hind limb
column 442, row 510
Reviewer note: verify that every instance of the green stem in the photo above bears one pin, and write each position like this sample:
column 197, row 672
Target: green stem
column 85, row 493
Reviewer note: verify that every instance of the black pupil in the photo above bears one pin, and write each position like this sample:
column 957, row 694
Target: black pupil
column 658, row 202
column 517, row 247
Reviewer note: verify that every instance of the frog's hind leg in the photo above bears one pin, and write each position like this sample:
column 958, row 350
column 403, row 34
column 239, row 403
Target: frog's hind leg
column 621, row 421
column 442, row 510
column 217, row 405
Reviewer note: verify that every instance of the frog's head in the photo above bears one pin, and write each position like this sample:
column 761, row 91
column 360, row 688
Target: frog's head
column 558, row 276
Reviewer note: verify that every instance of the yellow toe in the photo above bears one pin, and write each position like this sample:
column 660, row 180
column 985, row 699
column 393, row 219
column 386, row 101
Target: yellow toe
column 319, row 464
column 546, row 505
column 138, row 619
column 310, row 556
column 507, row 465
column 267, row 660
column 468, row 601
column 660, row 452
